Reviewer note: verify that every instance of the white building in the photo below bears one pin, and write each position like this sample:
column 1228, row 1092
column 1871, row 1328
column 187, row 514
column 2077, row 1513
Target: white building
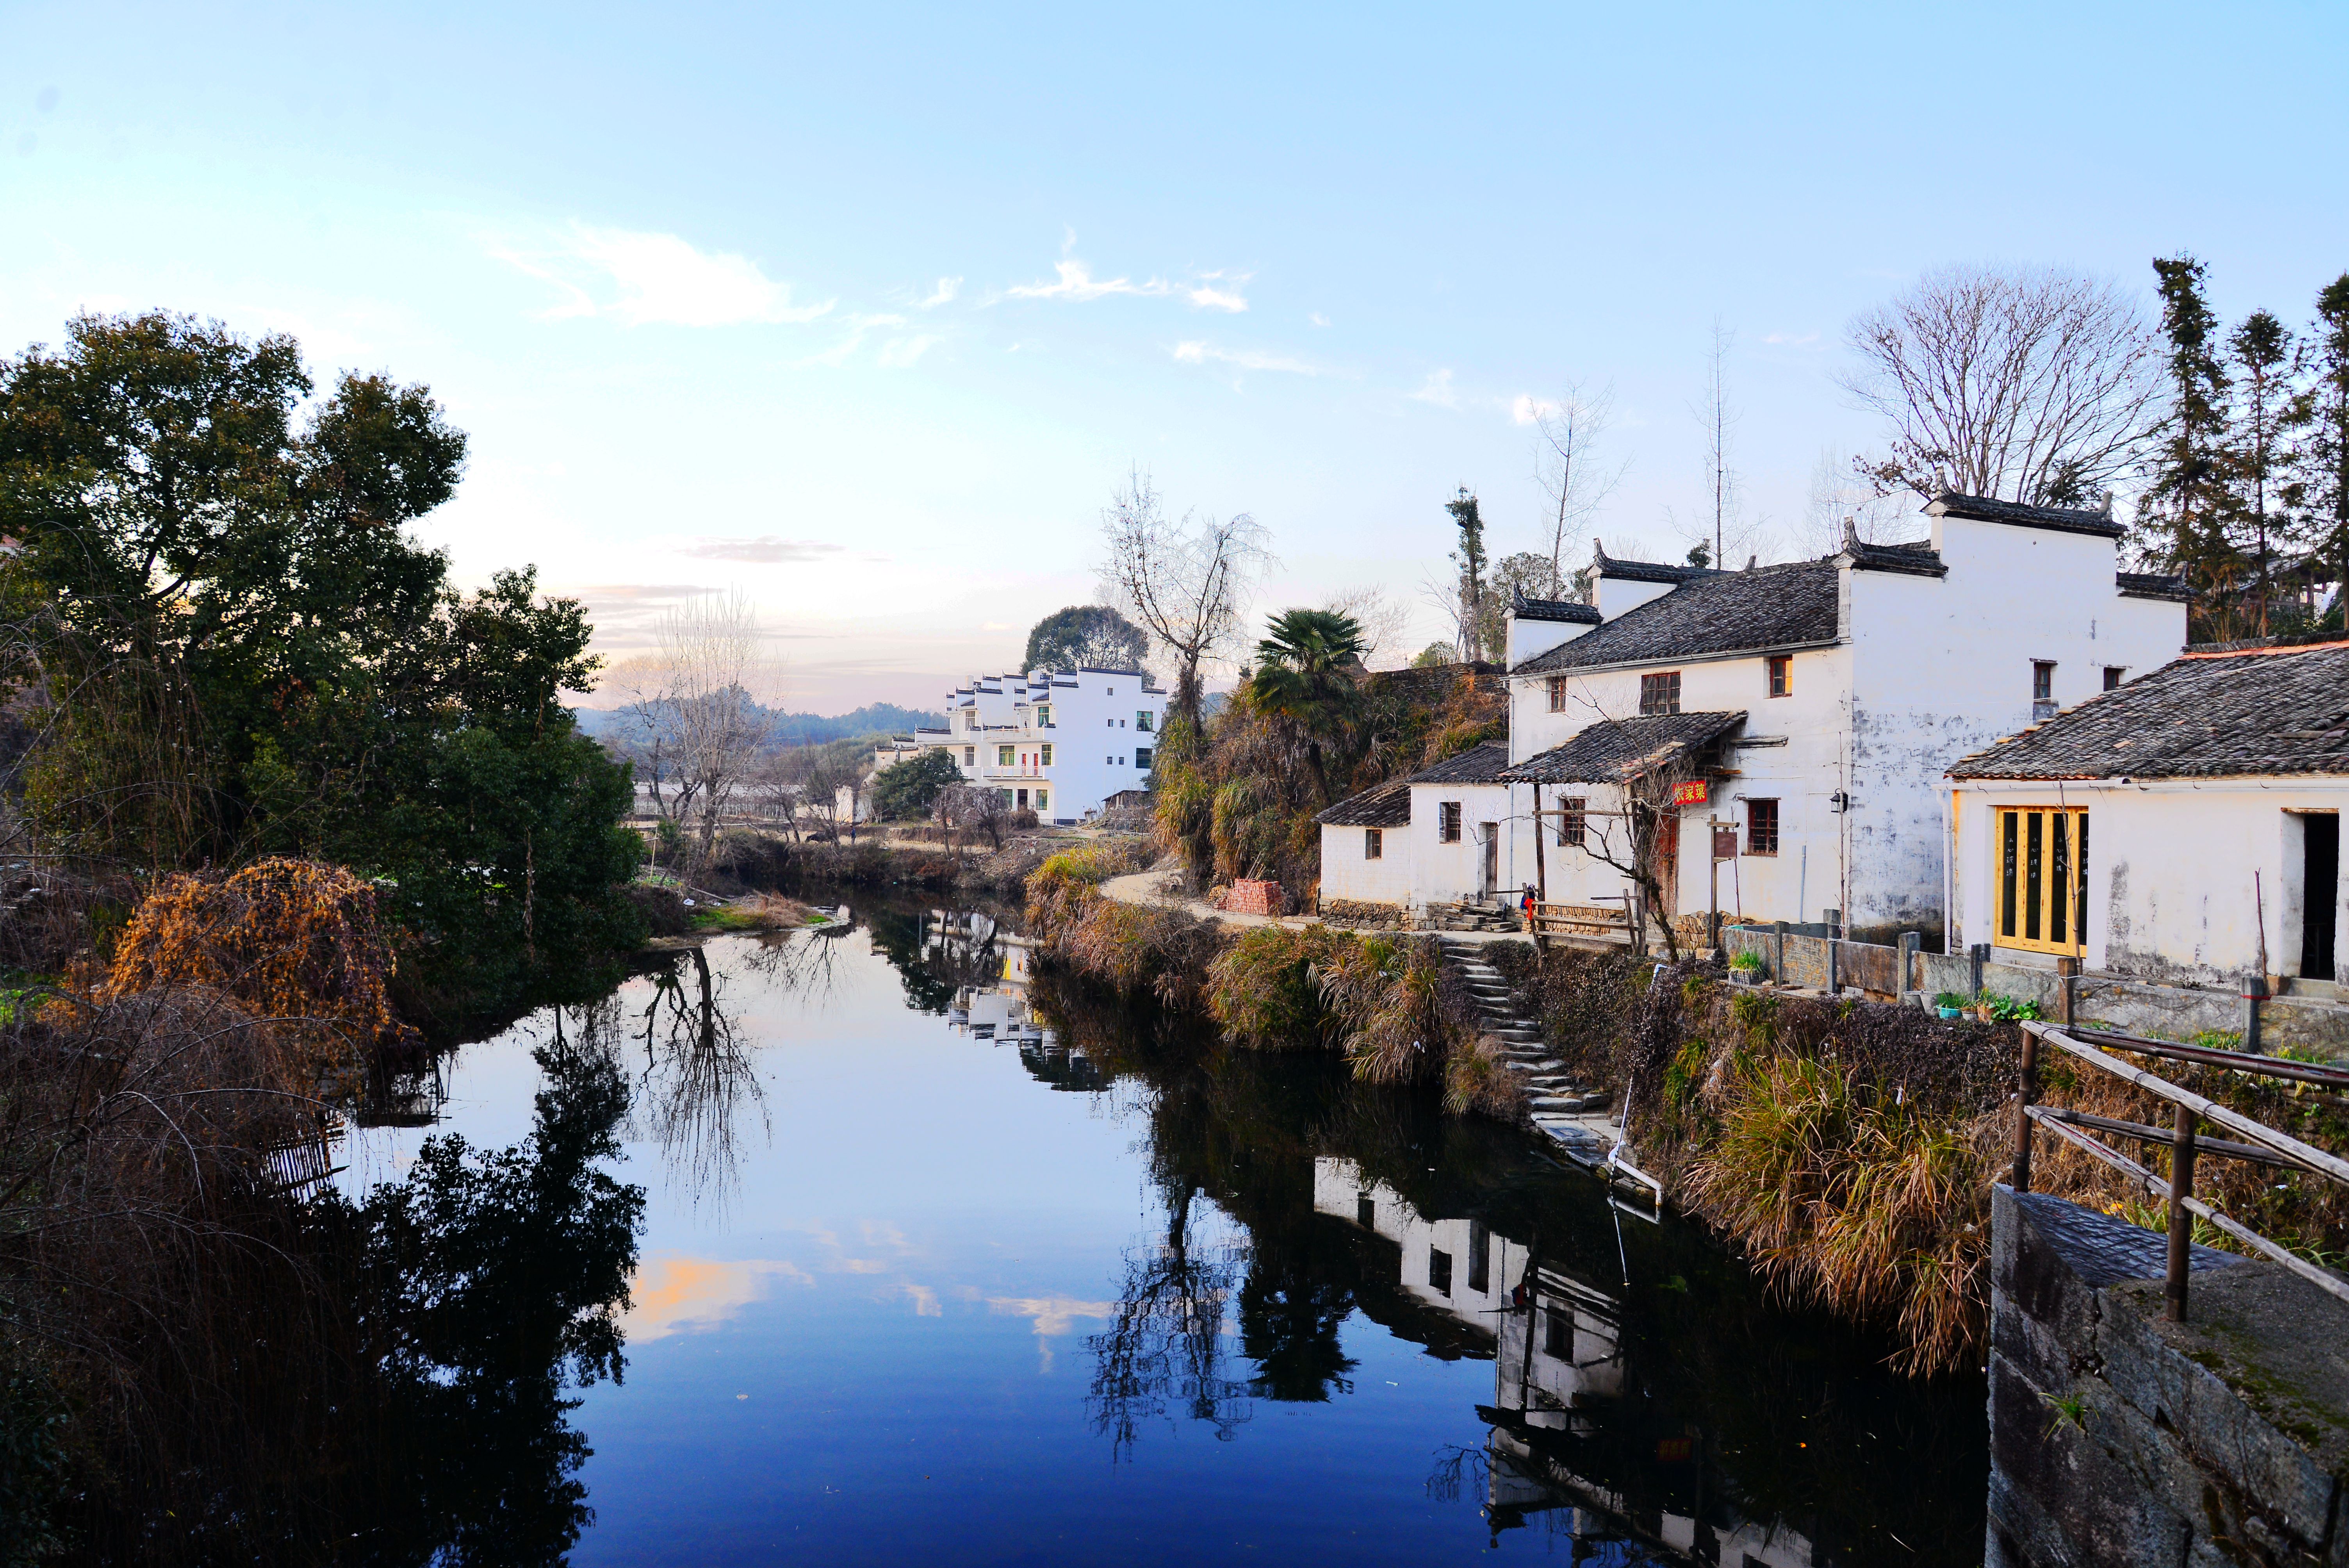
column 2178, row 830
column 1056, row 742
column 1436, row 837
column 1811, row 709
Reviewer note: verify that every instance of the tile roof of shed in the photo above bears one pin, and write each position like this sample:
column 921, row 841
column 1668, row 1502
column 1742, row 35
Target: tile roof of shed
column 1526, row 609
column 1614, row 749
column 2152, row 585
column 1712, row 613
column 2272, row 708
column 1386, row 805
column 1477, row 765
column 1628, row 571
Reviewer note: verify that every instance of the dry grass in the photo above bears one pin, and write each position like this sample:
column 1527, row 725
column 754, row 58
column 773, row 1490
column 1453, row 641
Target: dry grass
column 1264, row 988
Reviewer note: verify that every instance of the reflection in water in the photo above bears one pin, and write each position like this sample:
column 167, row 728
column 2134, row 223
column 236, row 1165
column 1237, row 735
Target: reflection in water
column 698, row 1080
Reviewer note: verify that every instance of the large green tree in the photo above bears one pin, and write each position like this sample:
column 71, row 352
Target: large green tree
column 1084, row 634
column 2324, row 452
column 904, row 791
column 237, row 648
column 1307, row 672
column 2189, row 506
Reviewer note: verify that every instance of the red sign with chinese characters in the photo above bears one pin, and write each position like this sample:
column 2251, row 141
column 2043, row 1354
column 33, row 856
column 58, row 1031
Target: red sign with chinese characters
column 1695, row 792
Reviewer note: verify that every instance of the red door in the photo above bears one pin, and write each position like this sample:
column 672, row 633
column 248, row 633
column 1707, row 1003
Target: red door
column 1668, row 862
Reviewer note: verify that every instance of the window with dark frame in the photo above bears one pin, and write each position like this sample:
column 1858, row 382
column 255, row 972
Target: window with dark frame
column 2113, row 674
column 1557, row 694
column 1760, row 827
column 1374, row 843
column 2042, row 680
column 1571, row 821
column 1366, row 1213
column 1782, row 674
column 1558, row 1335
column 1142, row 756
column 1439, row 1271
column 1448, row 821
column 1480, row 1254
column 1661, row 693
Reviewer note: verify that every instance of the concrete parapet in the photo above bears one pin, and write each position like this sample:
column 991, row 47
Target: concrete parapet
column 2119, row 1438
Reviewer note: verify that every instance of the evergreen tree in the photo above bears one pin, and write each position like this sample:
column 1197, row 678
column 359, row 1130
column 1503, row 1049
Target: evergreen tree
column 2187, row 505
column 2323, row 458
column 2262, row 351
column 1470, row 559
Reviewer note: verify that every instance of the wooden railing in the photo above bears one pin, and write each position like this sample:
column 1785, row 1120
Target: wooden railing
column 1578, row 920
column 2266, row 1146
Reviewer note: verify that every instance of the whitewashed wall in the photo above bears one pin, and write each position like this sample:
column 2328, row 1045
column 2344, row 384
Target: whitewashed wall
column 2170, row 868
column 1346, row 874
column 1442, row 872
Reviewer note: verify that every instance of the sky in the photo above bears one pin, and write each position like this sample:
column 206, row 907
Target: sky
column 866, row 310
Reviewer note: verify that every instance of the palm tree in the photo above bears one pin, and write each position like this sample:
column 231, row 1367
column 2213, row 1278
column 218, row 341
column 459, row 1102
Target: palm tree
column 1306, row 673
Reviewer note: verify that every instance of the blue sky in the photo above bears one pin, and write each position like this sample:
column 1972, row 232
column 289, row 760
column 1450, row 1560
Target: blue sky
column 865, row 309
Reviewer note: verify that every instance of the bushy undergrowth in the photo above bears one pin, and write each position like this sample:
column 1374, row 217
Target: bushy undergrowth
column 1266, row 988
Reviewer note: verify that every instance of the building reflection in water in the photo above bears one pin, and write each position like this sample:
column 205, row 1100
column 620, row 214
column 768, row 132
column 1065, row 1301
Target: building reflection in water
column 989, row 964
column 1561, row 1389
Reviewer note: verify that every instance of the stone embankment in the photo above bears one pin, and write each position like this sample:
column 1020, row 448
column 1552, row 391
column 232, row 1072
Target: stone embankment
column 1571, row 1111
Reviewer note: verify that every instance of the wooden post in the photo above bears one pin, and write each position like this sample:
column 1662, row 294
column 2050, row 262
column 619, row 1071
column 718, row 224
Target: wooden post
column 2026, row 1094
column 1541, row 871
column 1779, row 974
column 1712, row 914
column 2181, row 1223
column 1976, row 956
column 2067, row 990
column 1910, row 941
column 2255, row 988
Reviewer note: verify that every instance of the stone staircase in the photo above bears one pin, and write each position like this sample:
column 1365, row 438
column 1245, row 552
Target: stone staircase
column 1562, row 1107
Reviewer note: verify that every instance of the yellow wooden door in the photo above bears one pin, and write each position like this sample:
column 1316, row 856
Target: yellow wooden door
column 2040, row 868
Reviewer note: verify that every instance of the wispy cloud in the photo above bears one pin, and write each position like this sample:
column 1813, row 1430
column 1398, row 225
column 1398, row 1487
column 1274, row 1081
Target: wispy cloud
column 1317, row 319
column 766, row 550
column 646, row 279
column 1525, row 408
column 1438, row 389
column 899, row 352
column 1243, row 359
column 674, row 1294
column 1075, row 281
column 943, row 294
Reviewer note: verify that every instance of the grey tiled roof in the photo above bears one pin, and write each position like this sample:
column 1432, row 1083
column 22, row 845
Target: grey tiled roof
column 1921, row 559
column 1477, row 765
column 1616, row 567
column 2152, row 585
column 1613, row 749
column 1553, row 609
column 1386, row 805
column 2061, row 518
column 2257, row 710
column 1712, row 613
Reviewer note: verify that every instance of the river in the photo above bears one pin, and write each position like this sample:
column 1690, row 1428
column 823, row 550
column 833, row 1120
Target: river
column 941, row 1262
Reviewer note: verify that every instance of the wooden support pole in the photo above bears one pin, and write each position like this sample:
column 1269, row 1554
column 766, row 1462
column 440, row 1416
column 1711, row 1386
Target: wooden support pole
column 2067, row 990
column 1541, row 871
column 2025, row 1095
column 2181, row 1223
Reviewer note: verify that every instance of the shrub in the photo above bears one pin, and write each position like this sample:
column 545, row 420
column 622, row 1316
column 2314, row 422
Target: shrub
column 1387, row 994
column 1265, row 989
column 1477, row 1081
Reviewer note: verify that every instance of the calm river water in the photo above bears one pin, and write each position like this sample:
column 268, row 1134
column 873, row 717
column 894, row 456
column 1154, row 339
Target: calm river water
column 938, row 1267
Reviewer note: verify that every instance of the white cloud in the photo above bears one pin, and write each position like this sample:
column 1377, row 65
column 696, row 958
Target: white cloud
column 766, row 550
column 1317, row 319
column 944, row 293
column 1243, row 358
column 900, row 352
column 1438, row 389
column 1525, row 408
column 860, row 327
column 642, row 279
column 1075, row 281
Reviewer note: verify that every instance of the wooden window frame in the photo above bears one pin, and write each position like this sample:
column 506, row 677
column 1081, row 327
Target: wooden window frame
column 1448, row 821
column 1560, row 693
column 1005, row 756
column 1573, row 822
column 1761, row 839
column 1660, row 693
column 1044, row 754
column 2039, row 877
column 1375, row 844
column 1780, row 675
column 2042, row 680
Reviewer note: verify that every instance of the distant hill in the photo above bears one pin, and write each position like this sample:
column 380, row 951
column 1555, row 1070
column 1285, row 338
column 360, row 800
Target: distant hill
column 804, row 728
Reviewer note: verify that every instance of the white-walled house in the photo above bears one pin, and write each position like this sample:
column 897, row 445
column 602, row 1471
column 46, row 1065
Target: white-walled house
column 1436, row 837
column 1056, row 742
column 1819, row 703
column 2193, row 816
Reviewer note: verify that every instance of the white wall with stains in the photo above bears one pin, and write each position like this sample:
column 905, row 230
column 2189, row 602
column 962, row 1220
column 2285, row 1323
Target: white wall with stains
column 1348, row 872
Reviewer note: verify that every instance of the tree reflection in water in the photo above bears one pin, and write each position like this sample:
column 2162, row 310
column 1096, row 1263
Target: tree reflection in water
column 1163, row 1354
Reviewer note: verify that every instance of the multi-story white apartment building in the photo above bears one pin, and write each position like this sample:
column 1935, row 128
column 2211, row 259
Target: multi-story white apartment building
column 1808, row 712
column 1055, row 742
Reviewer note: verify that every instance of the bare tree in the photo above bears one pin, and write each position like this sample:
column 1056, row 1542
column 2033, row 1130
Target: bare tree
column 695, row 710
column 1568, row 467
column 966, row 809
column 1841, row 492
column 1384, row 619
column 2030, row 384
column 1185, row 583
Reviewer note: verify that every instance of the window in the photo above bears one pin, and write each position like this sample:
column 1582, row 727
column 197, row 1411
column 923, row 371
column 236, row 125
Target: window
column 2041, row 878
column 1375, row 844
column 1142, row 756
column 1003, row 755
column 1558, row 1335
column 970, row 757
column 1782, row 674
column 970, row 719
column 1439, row 1271
column 1004, row 795
column 1661, row 694
column 2113, row 674
column 1557, row 694
column 1142, row 721
column 1570, row 820
column 1044, row 754
column 1044, row 715
column 1448, row 821
column 1042, row 803
column 1760, row 827
column 1366, row 1213
column 1480, row 1254
column 1023, row 800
